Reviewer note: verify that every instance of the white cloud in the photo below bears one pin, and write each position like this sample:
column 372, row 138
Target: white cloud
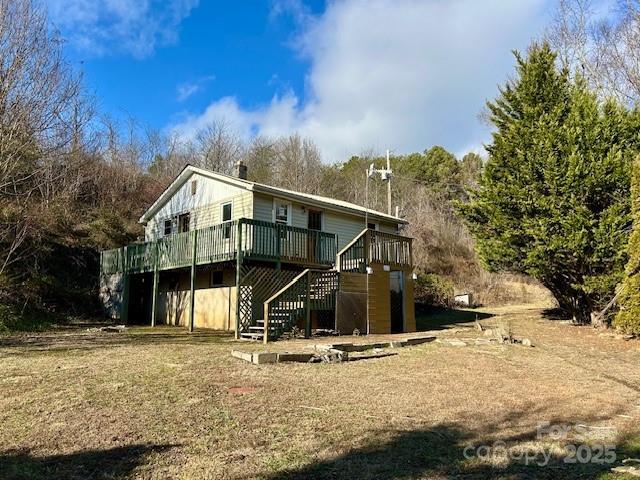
column 399, row 74
column 99, row 27
column 188, row 89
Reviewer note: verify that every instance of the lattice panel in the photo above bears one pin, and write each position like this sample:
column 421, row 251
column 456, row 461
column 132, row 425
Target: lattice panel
column 257, row 284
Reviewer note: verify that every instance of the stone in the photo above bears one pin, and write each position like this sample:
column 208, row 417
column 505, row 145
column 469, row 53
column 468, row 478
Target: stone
column 526, row 342
column 260, row 358
column 247, row 357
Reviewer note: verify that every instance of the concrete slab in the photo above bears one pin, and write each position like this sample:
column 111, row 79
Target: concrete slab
column 295, row 357
column 247, row 357
column 369, row 356
column 419, row 340
column 260, row 358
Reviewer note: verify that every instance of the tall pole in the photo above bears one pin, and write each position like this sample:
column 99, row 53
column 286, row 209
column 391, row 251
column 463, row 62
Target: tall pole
column 388, row 184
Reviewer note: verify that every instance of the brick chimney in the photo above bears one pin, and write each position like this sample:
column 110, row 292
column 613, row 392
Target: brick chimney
column 241, row 170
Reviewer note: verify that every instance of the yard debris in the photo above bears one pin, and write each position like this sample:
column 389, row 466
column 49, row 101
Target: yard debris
column 629, row 470
column 332, row 353
column 109, row 328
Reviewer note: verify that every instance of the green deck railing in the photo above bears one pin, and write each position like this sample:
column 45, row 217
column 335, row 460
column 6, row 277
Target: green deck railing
column 255, row 239
column 372, row 246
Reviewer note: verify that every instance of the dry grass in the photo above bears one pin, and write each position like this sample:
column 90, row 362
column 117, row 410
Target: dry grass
column 165, row 404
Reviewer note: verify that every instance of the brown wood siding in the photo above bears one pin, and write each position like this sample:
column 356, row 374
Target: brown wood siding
column 380, row 299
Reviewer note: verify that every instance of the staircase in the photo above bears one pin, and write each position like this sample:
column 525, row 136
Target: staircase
column 311, row 290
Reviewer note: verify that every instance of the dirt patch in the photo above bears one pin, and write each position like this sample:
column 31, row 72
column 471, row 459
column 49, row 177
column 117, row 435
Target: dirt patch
column 241, row 390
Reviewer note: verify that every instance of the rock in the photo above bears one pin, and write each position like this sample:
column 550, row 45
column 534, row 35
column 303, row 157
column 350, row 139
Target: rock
column 526, row 342
column 624, row 337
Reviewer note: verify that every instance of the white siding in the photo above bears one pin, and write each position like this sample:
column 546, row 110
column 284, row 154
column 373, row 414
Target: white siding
column 205, row 210
column 204, row 207
column 345, row 226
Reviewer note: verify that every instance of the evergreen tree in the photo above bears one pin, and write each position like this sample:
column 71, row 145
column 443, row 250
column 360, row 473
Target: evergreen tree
column 553, row 199
column 628, row 317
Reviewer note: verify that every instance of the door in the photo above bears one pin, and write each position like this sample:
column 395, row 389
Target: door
column 314, row 224
column 396, row 291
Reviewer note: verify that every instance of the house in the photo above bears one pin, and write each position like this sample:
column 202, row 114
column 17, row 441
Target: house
column 222, row 252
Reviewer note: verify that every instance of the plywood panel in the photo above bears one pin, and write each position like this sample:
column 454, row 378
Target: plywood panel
column 409, row 305
column 379, row 301
column 214, row 307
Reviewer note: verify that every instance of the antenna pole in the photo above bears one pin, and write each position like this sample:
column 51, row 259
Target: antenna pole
column 388, row 184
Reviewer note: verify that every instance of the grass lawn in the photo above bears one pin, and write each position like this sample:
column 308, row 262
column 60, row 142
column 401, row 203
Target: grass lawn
column 165, row 404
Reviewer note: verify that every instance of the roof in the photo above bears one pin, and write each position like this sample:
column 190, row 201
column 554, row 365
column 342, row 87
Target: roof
column 327, row 203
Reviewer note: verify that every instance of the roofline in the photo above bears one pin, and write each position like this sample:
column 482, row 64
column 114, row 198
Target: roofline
column 326, row 204
column 266, row 189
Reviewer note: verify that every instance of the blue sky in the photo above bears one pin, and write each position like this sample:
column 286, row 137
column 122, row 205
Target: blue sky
column 353, row 75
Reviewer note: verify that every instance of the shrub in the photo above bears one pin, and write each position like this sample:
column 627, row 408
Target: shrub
column 431, row 289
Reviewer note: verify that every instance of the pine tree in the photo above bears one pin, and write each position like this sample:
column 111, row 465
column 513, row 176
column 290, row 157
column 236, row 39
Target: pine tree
column 553, row 199
column 628, row 317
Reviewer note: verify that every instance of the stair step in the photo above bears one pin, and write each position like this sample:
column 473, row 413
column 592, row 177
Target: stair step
column 260, row 328
column 252, row 336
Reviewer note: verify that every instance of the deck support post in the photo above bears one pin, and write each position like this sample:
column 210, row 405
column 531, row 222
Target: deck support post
column 124, row 305
column 307, row 323
column 278, row 246
column 192, row 296
column 156, row 279
column 238, row 279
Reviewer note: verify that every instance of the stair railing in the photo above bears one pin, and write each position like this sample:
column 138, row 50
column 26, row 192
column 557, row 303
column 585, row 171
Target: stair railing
column 290, row 294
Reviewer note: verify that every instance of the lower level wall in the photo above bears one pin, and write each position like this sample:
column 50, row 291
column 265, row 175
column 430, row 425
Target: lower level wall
column 353, row 298
column 214, row 307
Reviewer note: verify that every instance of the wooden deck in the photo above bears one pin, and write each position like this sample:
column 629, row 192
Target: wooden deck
column 252, row 239
column 374, row 247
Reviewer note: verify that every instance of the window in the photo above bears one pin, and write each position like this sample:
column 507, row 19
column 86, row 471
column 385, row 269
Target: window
column 167, row 227
column 194, row 187
column 372, row 226
column 184, row 222
column 282, row 212
column 282, row 216
column 217, row 278
column 315, row 220
column 226, row 217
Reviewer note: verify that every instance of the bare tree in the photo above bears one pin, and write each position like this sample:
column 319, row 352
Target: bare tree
column 218, row 148
column 602, row 46
column 298, row 165
column 41, row 117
